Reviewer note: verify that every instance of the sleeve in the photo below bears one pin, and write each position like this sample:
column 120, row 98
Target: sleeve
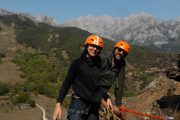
column 119, row 86
column 101, row 95
column 72, row 72
column 104, row 78
column 104, row 93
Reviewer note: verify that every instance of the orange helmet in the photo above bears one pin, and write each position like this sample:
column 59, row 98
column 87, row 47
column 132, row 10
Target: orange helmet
column 123, row 45
column 94, row 40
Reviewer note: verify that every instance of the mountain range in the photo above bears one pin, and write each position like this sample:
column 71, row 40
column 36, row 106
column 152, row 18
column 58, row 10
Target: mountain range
column 139, row 29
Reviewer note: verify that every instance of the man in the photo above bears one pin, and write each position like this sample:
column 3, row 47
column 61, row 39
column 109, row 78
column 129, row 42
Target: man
column 113, row 66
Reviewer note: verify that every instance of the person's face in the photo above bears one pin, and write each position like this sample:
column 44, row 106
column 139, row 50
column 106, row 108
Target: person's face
column 93, row 50
column 119, row 53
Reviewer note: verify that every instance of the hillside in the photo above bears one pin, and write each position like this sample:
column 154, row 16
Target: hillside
column 9, row 71
column 39, row 55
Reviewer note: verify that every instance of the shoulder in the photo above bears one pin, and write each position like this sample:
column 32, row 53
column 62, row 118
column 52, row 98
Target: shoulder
column 104, row 61
column 103, row 57
column 77, row 61
column 121, row 64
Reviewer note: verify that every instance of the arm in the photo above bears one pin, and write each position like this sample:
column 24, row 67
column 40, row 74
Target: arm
column 57, row 112
column 119, row 87
column 64, row 89
column 68, row 81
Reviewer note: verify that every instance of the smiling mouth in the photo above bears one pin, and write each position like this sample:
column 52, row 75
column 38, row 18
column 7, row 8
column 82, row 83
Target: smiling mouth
column 118, row 57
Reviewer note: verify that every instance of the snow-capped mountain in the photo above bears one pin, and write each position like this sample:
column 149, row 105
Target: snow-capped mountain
column 140, row 29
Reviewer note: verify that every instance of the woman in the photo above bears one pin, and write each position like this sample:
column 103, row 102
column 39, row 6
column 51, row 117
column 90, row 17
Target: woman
column 83, row 75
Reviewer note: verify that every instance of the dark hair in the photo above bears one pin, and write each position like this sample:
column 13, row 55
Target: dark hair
column 85, row 51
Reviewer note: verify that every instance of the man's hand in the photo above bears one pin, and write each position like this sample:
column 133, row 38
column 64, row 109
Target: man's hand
column 120, row 112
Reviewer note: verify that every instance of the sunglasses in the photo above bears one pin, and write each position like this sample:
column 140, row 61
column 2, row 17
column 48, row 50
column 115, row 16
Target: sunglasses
column 124, row 52
column 97, row 47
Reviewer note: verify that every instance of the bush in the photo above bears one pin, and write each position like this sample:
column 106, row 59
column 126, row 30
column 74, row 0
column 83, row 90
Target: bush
column 31, row 102
column 4, row 89
column 21, row 98
column 1, row 56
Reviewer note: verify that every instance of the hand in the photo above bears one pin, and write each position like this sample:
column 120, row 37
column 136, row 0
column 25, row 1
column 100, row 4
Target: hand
column 57, row 112
column 103, row 102
column 109, row 104
column 123, row 108
column 120, row 112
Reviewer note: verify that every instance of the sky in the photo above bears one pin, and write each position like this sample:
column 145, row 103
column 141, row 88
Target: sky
column 62, row 10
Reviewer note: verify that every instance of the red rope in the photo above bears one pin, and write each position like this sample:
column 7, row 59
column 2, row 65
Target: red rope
column 125, row 109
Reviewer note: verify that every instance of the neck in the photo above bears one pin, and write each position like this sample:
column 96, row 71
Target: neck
column 89, row 57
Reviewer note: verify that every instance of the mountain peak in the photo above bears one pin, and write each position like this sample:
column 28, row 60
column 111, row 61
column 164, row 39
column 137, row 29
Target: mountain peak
column 5, row 12
column 46, row 19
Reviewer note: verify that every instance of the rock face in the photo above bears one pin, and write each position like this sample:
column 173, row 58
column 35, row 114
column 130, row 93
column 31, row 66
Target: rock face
column 174, row 72
column 160, row 98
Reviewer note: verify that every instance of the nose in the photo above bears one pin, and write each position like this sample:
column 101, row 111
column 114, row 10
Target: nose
column 121, row 52
column 95, row 48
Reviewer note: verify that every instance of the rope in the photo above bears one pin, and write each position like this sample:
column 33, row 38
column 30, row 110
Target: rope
column 125, row 109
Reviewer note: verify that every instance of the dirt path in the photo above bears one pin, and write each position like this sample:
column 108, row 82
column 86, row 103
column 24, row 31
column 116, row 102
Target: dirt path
column 21, row 114
column 43, row 111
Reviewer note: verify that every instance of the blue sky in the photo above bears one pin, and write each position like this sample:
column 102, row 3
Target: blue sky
column 62, row 10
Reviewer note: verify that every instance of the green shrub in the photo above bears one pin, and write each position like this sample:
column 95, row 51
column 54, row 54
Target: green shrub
column 21, row 98
column 4, row 89
column 2, row 56
column 31, row 102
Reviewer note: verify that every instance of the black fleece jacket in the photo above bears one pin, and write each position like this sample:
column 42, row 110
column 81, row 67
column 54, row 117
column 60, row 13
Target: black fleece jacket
column 83, row 75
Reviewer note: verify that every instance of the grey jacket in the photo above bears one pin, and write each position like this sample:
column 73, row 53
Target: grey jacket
column 113, row 74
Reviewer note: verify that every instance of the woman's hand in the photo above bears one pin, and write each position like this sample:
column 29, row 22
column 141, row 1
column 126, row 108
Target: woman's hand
column 57, row 112
column 103, row 102
column 109, row 104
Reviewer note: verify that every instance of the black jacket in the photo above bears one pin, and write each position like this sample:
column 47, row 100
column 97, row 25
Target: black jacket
column 83, row 75
column 113, row 73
